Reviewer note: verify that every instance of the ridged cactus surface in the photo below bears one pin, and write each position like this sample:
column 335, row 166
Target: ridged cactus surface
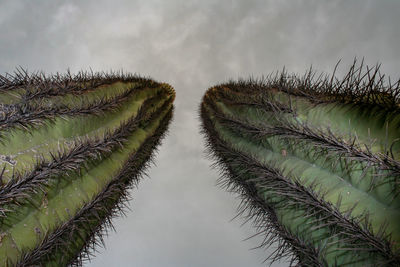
column 316, row 161
column 70, row 148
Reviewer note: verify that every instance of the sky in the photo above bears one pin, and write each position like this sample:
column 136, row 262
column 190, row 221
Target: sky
column 179, row 216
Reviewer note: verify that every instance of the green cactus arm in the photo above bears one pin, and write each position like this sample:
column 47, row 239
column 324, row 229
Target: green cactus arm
column 283, row 148
column 293, row 167
column 42, row 195
column 60, row 203
column 67, row 240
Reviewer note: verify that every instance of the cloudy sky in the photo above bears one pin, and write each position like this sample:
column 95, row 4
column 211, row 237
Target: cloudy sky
column 179, row 216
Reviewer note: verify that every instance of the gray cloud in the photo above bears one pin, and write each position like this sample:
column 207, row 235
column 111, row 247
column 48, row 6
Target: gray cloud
column 179, row 217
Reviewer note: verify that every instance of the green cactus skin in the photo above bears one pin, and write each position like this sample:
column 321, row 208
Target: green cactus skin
column 316, row 161
column 71, row 148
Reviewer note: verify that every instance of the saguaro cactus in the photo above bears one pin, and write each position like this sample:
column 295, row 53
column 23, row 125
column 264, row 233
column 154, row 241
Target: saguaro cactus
column 70, row 148
column 316, row 161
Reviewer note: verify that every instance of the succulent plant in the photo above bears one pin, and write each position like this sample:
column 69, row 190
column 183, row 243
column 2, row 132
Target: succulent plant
column 71, row 146
column 316, row 160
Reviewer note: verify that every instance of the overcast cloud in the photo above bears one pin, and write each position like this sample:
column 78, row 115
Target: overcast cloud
column 179, row 217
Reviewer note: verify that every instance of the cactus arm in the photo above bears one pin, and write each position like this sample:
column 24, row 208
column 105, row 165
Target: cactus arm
column 324, row 181
column 58, row 202
column 82, row 154
column 288, row 180
column 65, row 243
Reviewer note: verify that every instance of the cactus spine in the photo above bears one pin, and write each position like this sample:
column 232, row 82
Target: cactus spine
column 316, row 161
column 71, row 147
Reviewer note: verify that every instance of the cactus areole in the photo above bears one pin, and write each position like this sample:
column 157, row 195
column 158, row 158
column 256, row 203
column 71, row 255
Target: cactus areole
column 316, row 161
column 70, row 148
